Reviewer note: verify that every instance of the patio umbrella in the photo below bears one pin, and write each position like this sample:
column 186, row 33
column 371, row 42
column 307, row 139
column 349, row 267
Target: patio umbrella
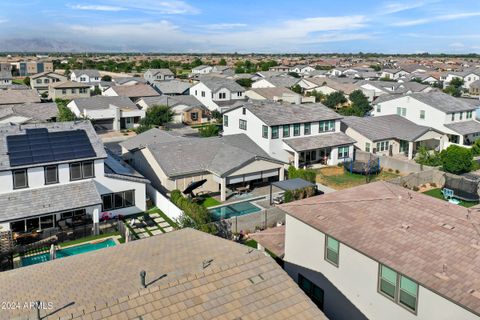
column 53, row 252
column 194, row 185
column 127, row 234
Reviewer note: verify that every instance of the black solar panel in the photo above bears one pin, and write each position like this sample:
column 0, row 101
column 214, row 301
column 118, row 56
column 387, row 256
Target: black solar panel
column 41, row 146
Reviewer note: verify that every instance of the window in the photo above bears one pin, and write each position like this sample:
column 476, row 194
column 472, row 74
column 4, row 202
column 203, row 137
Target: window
column 33, row 224
column 306, row 128
column 64, row 91
column 342, row 152
column 118, row 200
column 17, row 226
column 203, row 93
column 82, row 170
column 326, row 126
column 332, row 247
column 275, row 132
column 453, row 116
column 401, row 111
column 398, row 288
column 422, row 114
column 107, row 202
column 51, row 174
column 194, row 116
column 367, row 146
column 74, row 91
column 461, row 116
column 196, row 93
column 222, row 95
column 47, row 222
column 244, row 111
column 225, row 121
column 286, row 130
column 296, row 129
column 38, row 81
column 20, row 179
column 129, row 197
column 382, row 146
column 265, row 132
column 242, row 124
column 82, row 90
column 239, row 94
column 311, row 290
column 46, row 81
column 388, row 281
column 469, row 114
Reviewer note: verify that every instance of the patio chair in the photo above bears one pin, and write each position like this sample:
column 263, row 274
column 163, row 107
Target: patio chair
column 448, row 194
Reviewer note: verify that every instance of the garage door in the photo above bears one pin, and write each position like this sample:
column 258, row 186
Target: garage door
column 103, row 124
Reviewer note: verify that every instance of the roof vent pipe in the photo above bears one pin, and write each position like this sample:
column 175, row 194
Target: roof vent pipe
column 143, row 275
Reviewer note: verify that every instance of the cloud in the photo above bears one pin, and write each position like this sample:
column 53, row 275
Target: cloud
column 3, row 20
column 95, row 7
column 395, row 7
column 457, row 45
column 171, row 7
column 445, row 17
column 223, row 26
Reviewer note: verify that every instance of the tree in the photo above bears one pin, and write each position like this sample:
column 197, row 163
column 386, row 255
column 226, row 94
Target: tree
column 97, row 91
column 319, row 96
column 217, row 115
column 297, row 89
column 210, row 130
column 222, row 62
column 334, row 99
column 245, row 82
column 455, row 87
column 457, row 82
column 427, row 157
column 157, row 115
column 376, row 67
column 26, row 81
column 360, row 104
column 294, row 74
column 106, row 78
column 456, row 159
column 64, row 113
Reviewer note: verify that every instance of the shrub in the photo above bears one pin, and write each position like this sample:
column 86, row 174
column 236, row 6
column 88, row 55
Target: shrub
column 195, row 215
column 305, row 174
column 476, row 148
column 427, row 157
column 288, row 196
column 456, row 159
column 390, row 170
column 210, row 130
column 433, row 184
column 397, row 171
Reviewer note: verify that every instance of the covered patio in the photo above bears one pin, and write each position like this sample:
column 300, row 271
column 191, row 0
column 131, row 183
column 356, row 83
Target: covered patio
column 466, row 132
column 290, row 185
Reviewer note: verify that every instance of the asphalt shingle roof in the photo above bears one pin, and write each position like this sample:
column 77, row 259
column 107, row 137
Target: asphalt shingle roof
column 464, row 127
column 386, row 127
column 173, row 101
column 172, row 86
column 19, row 96
column 407, row 231
column 35, row 112
column 216, row 83
column 189, row 275
column 319, row 141
column 135, row 91
column 89, row 72
column 38, row 201
column 104, row 102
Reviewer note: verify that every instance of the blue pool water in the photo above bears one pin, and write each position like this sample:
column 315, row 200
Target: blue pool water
column 233, row 210
column 62, row 253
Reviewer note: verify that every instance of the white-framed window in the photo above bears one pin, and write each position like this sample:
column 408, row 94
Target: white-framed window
column 469, row 114
column 332, row 248
column 326, row 126
column 379, row 108
column 225, row 121
column 382, row 146
column 203, row 93
column 453, row 116
column 275, row 132
column 296, row 129
column 286, row 130
column 242, row 124
column 461, row 116
column 398, row 288
column 343, row 152
column 222, row 95
column 422, row 114
column 307, row 128
column 264, row 132
column 367, row 146
column 401, row 111
column 239, row 94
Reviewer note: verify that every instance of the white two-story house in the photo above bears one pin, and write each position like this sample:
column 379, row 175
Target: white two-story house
column 440, row 111
column 152, row 75
column 85, row 76
column 301, row 135
column 380, row 251
column 218, row 93
column 56, row 175
column 41, row 81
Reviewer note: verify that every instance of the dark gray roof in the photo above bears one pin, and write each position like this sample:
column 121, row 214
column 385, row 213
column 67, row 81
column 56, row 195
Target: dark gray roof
column 89, row 72
column 13, row 129
column 217, row 83
column 464, row 127
column 163, row 71
column 104, row 102
column 293, row 184
column 40, row 112
column 436, row 99
column 283, row 81
column 33, row 202
column 146, row 138
column 274, row 113
column 173, row 101
column 172, row 86
column 19, row 96
column 123, row 80
column 218, row 155
column 319, row 141
column 116, row 168
column 386, row 127
column 69, row 84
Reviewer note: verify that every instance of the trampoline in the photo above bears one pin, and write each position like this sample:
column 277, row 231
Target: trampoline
column 370, row 166
column 463, row 188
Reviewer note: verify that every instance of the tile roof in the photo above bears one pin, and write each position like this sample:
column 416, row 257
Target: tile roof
column 282, row 81
column 19, row 96
column 123, row 80
column 172, row 86
column 189, row 275
column 89, row 72
column 272, row 239
column 464, row 127
column 13, row 129
column 271, row 93
column 35, row 112
column 163, row 71
column 173, row 101
column 104, row 102
column 50, row 199
column 403, row 230
column 216, row 83
column 319, row 141
column 274, row 113
column 386, row 127
column 135, row 91
column 340, row 84
column 69, row 84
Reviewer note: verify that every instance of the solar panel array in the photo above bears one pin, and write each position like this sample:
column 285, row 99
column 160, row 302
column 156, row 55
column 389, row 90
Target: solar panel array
column 41, row 146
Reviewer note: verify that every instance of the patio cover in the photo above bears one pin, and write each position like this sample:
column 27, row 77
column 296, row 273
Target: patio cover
column 319, row 141
column 293, row 184
column 35, row 202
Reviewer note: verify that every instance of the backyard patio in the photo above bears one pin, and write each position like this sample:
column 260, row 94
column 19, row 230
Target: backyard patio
column 338, row 179
column 149, row 223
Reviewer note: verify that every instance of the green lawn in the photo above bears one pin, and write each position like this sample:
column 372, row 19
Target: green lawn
column 17, row 81
column 210, row 202
column 88, row 239
column 437, row 193
column 338, row 179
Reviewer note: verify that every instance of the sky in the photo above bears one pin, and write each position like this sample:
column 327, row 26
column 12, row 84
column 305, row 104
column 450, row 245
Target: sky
column 260, row 26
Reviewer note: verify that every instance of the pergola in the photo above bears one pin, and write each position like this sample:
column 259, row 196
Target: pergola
column 290, row 185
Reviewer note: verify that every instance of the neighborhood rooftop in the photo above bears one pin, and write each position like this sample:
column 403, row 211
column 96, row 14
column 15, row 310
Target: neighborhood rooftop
column 406, row 231
column 104, row 102
column 188, row 274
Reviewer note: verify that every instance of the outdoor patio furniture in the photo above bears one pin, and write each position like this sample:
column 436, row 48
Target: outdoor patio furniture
column 149, row 221
column 278, row 200
column 448, row 194
column 244, row 189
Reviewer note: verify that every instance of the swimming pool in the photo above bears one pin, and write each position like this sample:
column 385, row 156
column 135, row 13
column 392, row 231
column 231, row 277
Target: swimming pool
column 233, row 210
column 71, row 251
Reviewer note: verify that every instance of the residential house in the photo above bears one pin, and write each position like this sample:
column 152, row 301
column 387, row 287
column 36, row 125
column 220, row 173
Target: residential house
column 18, row 96
column 108, row 113
column 301, row 135
column 394, row 74
column 302, row 69
column 280, row 68
column 284, row 81
column 277, row 94
column 173, row 162
column 55, row 174
column 388, row 253
column 41, row 81
column 28, row 68
column 218, row 93
column 128, row 81
column 68, row 90
column 475, row 88
column 5, row 78
column 172, row 87
column 152, row 75
column 28, row 113
column 202, row 69
column 187, row 109
column 468, row 76
column 375, row 89
column 223, row 70
column 85, row 76
column 328, row 85
column 391, row 135
column 437, row 110
column 188, row 274
column 133, row 92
